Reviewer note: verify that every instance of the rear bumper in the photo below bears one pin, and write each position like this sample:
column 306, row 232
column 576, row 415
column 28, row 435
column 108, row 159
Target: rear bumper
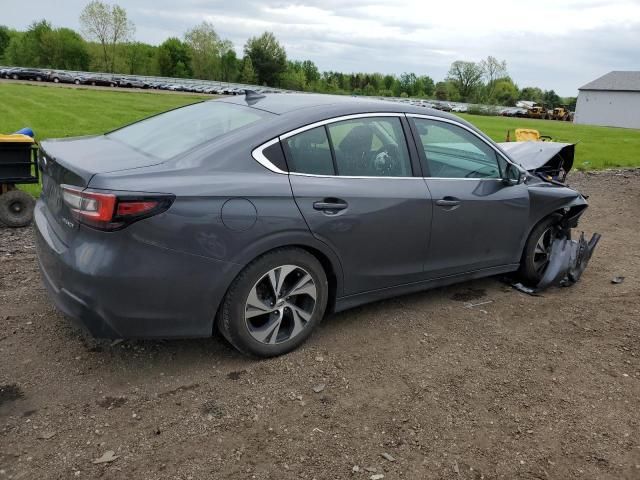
column 116, row 286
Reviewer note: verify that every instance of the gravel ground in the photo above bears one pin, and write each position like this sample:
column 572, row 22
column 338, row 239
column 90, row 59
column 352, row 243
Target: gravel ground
column 422, row 386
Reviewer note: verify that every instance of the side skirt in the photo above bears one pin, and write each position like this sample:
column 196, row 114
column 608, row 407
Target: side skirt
column 350, row 301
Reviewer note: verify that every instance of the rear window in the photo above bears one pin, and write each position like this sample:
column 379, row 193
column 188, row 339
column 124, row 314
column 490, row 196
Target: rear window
column 175, row 132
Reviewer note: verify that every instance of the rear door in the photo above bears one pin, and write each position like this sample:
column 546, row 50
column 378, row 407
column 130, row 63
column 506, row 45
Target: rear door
column 353, row 181
column 478, row 221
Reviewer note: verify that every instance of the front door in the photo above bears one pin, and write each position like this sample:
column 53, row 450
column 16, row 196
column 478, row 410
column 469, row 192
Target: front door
column 478, row 221
column 354, row 184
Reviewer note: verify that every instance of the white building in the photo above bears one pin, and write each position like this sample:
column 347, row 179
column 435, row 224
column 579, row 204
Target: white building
column 612, row 100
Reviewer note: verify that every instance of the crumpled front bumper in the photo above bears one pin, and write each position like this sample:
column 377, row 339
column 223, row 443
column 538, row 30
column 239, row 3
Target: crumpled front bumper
column 567, row 261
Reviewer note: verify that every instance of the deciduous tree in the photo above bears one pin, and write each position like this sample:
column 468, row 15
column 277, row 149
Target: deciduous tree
column 173, row 58
column 204, row 44
column 109, row 26
column 248, row 74
column 268, row 58
column 466, row 77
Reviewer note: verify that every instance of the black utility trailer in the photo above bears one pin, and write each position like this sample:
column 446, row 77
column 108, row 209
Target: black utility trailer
column 18, row 165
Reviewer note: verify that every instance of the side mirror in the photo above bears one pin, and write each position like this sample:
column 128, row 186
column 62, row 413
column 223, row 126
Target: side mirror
column 513, row 175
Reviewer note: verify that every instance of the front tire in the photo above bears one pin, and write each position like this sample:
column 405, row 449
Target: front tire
column 537, row 250
column 275, row 303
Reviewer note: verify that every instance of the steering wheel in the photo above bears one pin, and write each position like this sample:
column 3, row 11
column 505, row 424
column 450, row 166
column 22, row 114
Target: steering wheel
column 385, row 159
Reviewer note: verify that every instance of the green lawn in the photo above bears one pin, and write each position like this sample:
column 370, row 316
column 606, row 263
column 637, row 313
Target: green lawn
column 62, row 112
column 598, row 147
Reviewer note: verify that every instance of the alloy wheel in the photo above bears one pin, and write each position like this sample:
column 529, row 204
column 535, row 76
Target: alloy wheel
column 542, row 251
column 280, row 304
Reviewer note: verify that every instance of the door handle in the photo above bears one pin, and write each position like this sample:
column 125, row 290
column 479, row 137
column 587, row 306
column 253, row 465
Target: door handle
column 448, row 202
column 330, row 204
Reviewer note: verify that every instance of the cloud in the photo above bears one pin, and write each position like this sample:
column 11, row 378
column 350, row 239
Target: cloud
column 555, row 45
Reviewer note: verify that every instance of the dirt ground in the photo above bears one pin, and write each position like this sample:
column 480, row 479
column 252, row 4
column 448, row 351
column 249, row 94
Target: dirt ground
column 520, row 387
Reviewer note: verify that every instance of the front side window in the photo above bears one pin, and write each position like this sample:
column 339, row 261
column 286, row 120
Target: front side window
column 177, row 131
column 453, row 152
column 370, row 147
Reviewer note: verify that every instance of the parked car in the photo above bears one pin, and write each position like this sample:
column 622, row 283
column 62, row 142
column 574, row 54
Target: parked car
column 28, row 74
column 444, row 107
column 256, row 215
column 459, row 108
column 5, row 72
column 66, row 77
column 131, row 82
column 99, row 80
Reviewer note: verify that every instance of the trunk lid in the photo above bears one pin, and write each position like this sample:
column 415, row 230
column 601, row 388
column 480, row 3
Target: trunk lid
column 74, row 162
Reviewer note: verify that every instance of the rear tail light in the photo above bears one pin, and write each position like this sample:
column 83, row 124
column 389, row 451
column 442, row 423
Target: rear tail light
column 108, row 211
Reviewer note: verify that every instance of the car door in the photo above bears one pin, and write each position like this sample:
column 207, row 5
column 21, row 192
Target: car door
column 353, row 180
column 479, row 221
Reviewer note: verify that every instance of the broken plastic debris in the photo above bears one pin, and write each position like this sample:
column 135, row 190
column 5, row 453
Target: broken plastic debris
column 567, row 262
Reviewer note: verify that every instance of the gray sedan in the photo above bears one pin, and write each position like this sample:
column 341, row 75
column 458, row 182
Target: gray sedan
column 256, row 215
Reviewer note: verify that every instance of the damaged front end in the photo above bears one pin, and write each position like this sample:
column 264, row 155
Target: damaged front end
column 548, row 164
column 567, row 260
column 550, row 161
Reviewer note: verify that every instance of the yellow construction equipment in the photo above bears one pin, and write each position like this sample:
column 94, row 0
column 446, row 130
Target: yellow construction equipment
column 562, row 113
column 528, row 135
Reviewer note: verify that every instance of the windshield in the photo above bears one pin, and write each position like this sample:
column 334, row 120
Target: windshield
column 172, row 133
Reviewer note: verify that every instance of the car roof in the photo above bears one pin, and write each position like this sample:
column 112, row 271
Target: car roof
column 294, row 110
column 291, row 104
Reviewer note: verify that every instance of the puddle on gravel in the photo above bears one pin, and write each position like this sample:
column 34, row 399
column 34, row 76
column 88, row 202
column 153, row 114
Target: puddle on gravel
column 236, row 375
column 469, row 294
column 10, row 393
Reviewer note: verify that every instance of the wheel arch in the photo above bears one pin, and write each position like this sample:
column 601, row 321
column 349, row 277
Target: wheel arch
column 327, row 258
column 569, row 204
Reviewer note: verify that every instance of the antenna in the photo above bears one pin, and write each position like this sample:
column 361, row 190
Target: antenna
column 252, row 95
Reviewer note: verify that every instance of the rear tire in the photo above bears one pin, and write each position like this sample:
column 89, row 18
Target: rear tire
column 16, row 208
column 259, row 322
column 536, row 252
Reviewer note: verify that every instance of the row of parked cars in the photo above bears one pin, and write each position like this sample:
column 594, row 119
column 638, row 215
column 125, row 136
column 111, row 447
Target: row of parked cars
column 437, row 105
column 61, row 76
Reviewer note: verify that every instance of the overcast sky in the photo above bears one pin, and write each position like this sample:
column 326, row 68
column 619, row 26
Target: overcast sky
column 553, row 44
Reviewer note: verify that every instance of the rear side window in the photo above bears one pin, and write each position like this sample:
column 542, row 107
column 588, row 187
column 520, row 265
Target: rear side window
column 309, row 152
column 172, row 133
column 370, row 147
column 363, row 147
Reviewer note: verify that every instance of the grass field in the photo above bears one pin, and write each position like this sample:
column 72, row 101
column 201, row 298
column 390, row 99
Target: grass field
column 62, row 112
column 598, row 147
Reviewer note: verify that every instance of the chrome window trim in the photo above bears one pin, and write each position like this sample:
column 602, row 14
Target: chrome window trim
column 258, row 155
column 298, row 174
column 338, row 119
column 484, row 179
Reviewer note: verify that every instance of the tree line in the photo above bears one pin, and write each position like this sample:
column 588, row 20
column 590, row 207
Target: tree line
column 107, row 43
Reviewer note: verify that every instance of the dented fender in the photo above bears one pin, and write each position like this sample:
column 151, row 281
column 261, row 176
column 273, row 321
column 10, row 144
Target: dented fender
column 547, row 198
